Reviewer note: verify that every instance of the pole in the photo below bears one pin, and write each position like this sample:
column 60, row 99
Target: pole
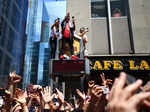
column 110, row 27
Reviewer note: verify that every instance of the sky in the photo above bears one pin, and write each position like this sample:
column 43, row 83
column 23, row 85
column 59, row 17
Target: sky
column 54, row 9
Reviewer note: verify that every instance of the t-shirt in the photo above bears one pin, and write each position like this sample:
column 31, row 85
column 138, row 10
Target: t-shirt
column 54, row 32
column 66, row 33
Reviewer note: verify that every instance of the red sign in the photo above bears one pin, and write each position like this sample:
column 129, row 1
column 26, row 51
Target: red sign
column 69, row 66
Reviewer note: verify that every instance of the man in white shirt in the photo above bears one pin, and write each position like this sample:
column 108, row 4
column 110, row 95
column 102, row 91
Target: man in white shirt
column 84, row 38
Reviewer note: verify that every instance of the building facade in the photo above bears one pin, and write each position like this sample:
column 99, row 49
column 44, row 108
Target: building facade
column 118, row 31
column 12, row 36
column 110, row 33
column 33, row 30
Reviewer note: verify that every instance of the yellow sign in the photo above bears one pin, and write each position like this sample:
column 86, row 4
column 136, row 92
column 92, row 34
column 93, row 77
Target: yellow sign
column 119, row 65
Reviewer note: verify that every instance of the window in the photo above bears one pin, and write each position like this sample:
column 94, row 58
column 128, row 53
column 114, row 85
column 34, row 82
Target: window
column 1, row 25
column 98, row 8
column 6, row 65
column 1, row 54
column 10, row 40
column 118, row 8
column 3, row 35
column 19, row 3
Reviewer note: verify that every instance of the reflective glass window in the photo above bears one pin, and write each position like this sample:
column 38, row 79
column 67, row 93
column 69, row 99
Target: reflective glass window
column 10, row 40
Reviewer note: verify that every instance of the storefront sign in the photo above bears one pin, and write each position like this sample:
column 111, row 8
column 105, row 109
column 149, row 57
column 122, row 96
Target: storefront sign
column 120, row 63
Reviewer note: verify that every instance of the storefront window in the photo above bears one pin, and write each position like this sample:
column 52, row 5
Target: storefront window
column 118, row 8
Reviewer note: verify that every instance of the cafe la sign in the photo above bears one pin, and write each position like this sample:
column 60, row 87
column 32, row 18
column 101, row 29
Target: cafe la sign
column 120, row 63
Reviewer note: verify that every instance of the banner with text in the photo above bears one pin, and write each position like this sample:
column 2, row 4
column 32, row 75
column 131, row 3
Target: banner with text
column 126, row 63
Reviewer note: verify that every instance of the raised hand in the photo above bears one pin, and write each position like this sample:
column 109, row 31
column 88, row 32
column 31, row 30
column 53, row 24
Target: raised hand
column 125, row 99
column 60, row 95
column 97, row 93
column 91, row 83
column 82, row 95
column 7, row 93
column 98, row 97
column 46, row 95
column 68, row 107
column 146, row 88
column 14, row 78
column 21, row 98
column 105, row 82
column 76, row 104
column 85, row 102
column 37, row 87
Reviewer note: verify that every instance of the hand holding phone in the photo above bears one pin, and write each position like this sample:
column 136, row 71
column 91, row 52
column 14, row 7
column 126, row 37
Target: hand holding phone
column 105, row 89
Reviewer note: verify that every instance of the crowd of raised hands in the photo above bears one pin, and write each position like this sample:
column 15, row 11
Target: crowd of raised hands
column 110, row 96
